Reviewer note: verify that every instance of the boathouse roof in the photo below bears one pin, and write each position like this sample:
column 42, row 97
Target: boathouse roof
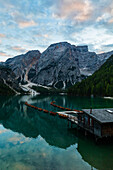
column 101, row 115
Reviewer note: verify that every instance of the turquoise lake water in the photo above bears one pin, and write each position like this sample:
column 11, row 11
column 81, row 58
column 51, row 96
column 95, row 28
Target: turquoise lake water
column 31, row 140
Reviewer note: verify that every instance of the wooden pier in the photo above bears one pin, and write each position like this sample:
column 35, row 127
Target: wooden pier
column 98, row 122
column 70, row 117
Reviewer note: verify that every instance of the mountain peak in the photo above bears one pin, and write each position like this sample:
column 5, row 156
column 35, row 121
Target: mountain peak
column 60, row 44
column 33, row 52
column 83, row 48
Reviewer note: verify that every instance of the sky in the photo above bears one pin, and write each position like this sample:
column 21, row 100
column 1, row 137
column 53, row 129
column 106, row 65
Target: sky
column 35, row 24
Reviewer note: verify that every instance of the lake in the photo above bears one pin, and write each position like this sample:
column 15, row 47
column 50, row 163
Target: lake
column 31, row 140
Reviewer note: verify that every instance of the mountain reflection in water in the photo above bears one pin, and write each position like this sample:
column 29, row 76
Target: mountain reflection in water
column 17, row 117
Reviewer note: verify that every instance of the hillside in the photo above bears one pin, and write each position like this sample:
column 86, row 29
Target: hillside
column 99, row 84
column 8, row 82
column 21, row 64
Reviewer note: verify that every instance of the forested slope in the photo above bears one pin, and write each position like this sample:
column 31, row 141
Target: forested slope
column 99, row 84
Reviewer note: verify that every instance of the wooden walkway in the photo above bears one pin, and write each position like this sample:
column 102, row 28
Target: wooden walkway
column 98, row 122
column 65, row 114
column 71, row 118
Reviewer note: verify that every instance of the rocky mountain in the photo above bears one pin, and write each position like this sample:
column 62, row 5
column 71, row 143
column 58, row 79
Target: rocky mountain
column 62, row 65
column 99, row 84
column 58, row 66
column 8, row 82
column 102, row 58
column 1, row 63
column 21, row 64
column 88, row 61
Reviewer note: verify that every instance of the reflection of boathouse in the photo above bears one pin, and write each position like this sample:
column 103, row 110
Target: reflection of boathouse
column 98, row 156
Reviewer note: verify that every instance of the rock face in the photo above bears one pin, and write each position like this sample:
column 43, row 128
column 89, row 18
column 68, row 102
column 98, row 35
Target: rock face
column 103, row 57
column 62, row 65
column 8, row 82
column 58, row 66
column 82, row 49
column 21, row 64
column 88, row 61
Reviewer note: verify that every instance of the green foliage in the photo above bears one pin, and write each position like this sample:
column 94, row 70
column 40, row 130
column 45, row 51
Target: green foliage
column 5, row 68
column 5, row 90
column 99, row 84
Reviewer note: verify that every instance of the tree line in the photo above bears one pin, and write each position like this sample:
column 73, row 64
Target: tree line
column 99, row 84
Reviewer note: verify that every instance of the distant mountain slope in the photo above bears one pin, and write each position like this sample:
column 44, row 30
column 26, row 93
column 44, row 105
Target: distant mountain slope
column 88, row 61
column 100, row 83
column 103, row 57
column 8, row 82
column 22, row 64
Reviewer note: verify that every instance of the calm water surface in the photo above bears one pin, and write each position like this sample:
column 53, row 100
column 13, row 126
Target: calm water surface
column 31, row 140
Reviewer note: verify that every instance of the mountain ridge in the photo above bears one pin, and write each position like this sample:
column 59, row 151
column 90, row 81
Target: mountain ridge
column 61, row 65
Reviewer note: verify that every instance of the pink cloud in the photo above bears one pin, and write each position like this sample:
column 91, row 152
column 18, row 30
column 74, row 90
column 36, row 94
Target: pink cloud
column 3, row 54
column 19, row 49
column 75, row 9
column 2, row 35
column 46, row 36
column 22, row 20
column 24, row 24
column 110, row 21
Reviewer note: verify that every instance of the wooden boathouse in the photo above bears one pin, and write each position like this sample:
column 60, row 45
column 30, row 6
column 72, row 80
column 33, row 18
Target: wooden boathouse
column 99, row 122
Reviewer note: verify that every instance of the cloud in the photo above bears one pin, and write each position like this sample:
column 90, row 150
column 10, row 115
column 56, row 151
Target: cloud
column 24, row 24
column 79, row 10
column 4, row 56
column 110, row 21
column 32, row 24
column 94, row 37
column 46, row 36
column 108, row 45
column 105, row 12
column 19, row 49
column 2, row 53
column 22, row 20
column 2, row 35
